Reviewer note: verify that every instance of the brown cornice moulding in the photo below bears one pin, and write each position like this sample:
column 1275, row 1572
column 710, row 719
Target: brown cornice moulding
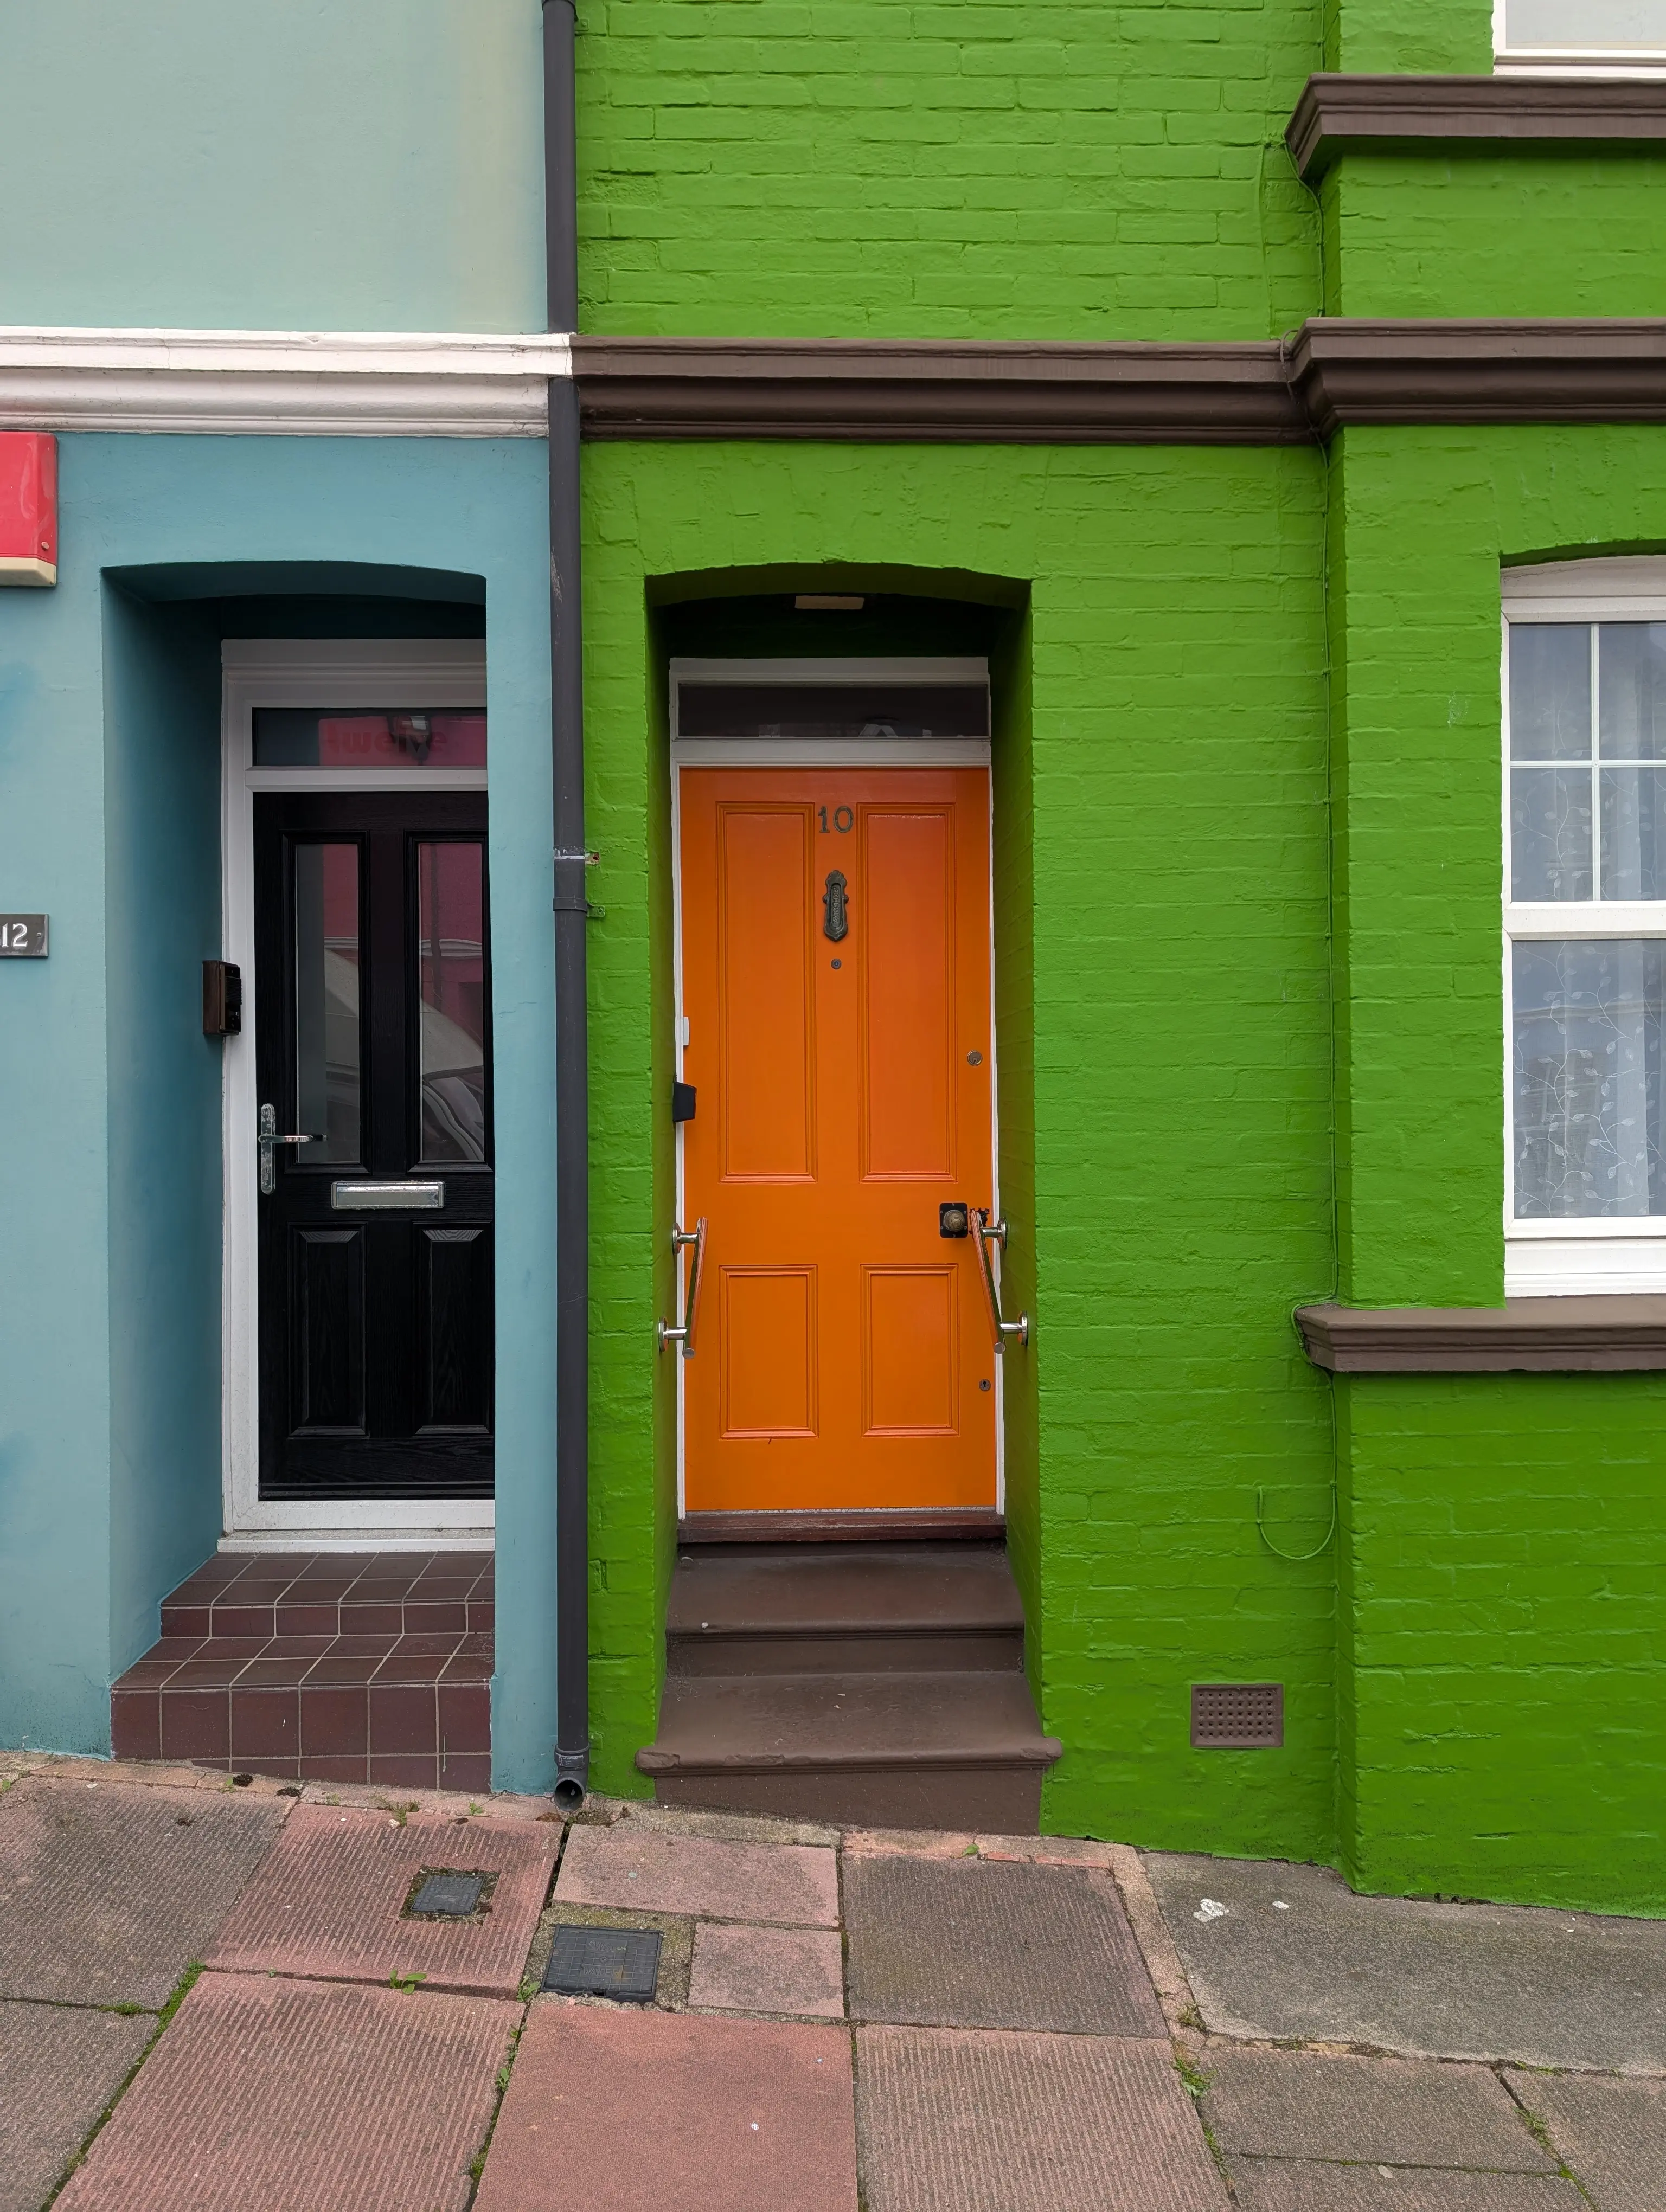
column 1499, row 369
column 947, row 391
column 1542, row 1336
column 1335, row 113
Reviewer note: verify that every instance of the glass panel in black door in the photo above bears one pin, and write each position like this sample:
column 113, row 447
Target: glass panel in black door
column 374, row 1026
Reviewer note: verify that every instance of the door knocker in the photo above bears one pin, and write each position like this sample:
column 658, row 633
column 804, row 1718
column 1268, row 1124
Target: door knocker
column 837, row 920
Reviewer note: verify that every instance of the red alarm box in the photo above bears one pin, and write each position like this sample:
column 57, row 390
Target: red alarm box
column 29, row 508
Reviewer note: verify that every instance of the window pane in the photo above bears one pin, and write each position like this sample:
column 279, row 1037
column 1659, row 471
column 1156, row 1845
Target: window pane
column 832, row 710
column 340, row 737
column 1549, row 691
column 1550, row 855
column 452, row 964
column 1587, row 1025
column 327, row 1054
column 1590, row 23
column 1631, row 690
column 1633, row 832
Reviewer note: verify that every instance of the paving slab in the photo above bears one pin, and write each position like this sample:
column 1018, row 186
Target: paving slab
column 59, row 2067
column 970, row 1943
column 1278, row 2185
column 1612, row 2133
column 793, row 1884
column 1296, row 1953
column 633, row 2111
column 1394, row 2111
column 330, row 1902
column 108, row 1893
column 952, row 2121
column 785, row 1970
column 303, row 2097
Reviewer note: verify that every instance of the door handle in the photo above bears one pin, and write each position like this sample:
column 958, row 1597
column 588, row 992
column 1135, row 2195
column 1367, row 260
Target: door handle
column 685, row 1334
column 266, row 1138
column 989, row 1232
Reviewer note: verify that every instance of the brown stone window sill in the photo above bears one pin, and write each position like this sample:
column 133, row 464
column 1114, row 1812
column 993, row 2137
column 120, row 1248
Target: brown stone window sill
column 1336, row 113
column 1544, row 1336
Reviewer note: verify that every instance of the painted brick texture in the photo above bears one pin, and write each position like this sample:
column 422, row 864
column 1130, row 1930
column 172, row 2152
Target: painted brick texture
column 1173, row 819
column 854, row 169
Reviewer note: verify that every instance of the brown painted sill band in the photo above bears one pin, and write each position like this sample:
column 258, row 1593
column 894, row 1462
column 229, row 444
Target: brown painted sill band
column 1544, row 1336
column 1338, row 114
column 1333, row 372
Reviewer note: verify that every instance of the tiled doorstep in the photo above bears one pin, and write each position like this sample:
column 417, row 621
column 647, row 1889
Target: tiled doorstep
column 333, row 1594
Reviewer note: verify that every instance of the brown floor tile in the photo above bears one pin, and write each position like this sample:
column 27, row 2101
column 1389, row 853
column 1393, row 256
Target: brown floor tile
column 360, row 1617
column 326, row 1769
column 396, row 1769
column 465, row 1718
column 466, row 1770
column 265, row 1724
column 344, row 1666
column 135, row 1723
column 335, row 1724
column 467, row 1667
column 216, row 1672
column 435, row 1618
column 292, row 2097
column 196, row 1723
column 404, row 1719
column 319, row 1619
column 237, row 1621
column 185, row 1619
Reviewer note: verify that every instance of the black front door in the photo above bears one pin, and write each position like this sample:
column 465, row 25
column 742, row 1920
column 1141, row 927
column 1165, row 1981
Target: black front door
column 374, row 1018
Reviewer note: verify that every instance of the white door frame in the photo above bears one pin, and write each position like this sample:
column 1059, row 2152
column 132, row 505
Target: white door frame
column 365, row 672
column 827, row 752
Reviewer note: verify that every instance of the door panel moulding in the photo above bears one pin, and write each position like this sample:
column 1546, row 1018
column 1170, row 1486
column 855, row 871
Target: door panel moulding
column 1337, row 114
column 368, row 673
column 275, row 383
column 1335, row 371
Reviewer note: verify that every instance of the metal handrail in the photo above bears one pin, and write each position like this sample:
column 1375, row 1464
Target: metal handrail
column 685, row 1334
column 987, row 1232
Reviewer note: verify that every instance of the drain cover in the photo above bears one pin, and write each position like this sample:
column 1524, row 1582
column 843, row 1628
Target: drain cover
column 448, row 1895
column 605, row 1962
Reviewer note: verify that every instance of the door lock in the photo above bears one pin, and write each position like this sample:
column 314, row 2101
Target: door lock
column 266, row 1138
column 953, row 1219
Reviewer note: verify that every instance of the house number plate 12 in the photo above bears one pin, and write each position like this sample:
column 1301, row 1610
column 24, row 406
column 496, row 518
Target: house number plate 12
column 22, row 937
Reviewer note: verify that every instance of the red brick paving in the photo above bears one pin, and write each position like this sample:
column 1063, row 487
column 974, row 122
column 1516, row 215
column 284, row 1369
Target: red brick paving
column 629, row 2111
column 327, row 1903
column 267, row 2095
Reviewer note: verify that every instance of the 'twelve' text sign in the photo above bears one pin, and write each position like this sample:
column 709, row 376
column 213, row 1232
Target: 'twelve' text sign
column 22, row 937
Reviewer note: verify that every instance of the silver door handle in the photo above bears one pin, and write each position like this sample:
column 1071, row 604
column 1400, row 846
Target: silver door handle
column 987, row 1232
column 266, row 1138
column 663, row 1330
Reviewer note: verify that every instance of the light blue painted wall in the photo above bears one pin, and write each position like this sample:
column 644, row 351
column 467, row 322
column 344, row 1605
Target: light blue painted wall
column 273, row 164
column 162, row 821
column 75, row 796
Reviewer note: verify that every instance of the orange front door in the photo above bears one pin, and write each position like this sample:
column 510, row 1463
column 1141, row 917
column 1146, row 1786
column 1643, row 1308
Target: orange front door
column 835, row 984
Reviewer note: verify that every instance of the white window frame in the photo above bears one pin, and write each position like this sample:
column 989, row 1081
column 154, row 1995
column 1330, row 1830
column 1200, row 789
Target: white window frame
column 1570, row 61
column 1604, row 1256
column 364, row 672
column 825, row 752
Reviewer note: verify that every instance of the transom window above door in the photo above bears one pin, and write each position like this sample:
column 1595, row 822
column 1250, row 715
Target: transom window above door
column 1620, row 37
column 359, row 714
column 1586, row 926
column 347, row 737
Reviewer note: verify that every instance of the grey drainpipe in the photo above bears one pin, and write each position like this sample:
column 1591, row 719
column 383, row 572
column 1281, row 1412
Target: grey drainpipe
column 572, row 1071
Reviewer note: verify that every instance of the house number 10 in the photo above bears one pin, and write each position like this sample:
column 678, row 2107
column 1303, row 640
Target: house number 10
column 843, row 819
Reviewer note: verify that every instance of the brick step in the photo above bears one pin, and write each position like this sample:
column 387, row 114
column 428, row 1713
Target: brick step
column 951, row 1749
column 333, row 1594
column 804, row 1608
column 403, row 1707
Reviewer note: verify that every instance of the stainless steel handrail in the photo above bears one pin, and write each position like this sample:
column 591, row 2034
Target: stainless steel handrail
column 987, row 1232
column 685, row 1334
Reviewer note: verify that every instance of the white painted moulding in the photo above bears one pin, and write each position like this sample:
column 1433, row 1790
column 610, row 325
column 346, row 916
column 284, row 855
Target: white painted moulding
column 374, row 384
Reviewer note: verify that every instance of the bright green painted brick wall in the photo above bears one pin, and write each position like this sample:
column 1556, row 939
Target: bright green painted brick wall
column 1491, row 231
column 850, row 169
column 1170, row 814
column 1506, row 1541
column 1421, row 36
column 1501, row 1675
